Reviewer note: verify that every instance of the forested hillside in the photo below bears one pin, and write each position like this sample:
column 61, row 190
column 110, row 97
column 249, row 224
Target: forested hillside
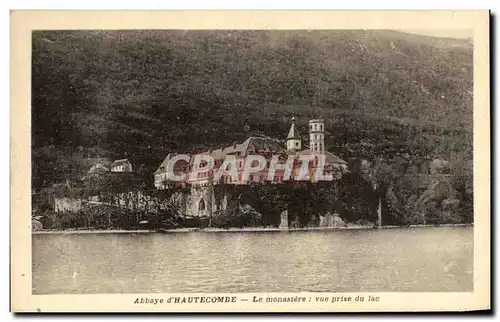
column 142, row 94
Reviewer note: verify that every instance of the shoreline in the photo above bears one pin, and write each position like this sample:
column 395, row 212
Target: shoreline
column 231, row 230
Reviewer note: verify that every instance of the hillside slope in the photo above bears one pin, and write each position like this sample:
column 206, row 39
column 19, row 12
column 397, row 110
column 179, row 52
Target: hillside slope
column 142, row 94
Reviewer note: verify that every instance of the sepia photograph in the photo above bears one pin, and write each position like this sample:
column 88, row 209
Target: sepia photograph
column 298, row 162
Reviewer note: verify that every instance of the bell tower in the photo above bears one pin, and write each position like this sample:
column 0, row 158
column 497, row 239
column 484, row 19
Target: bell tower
column 293, row 141
column 317, row 136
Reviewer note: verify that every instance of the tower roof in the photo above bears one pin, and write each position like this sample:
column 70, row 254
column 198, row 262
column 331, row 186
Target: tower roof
column 317, row 121
column 293, row 133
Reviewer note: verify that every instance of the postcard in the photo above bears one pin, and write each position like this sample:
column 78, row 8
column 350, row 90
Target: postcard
column 250, row 161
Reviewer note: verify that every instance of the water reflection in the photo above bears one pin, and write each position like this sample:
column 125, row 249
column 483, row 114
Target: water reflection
column 430, row 259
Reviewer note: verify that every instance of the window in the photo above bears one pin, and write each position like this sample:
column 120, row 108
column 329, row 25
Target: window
column 310, row 127
column 201, row 206
column 296, row 144
column 321, row 127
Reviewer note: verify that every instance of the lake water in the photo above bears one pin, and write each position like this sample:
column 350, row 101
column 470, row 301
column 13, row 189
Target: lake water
column 418, row 259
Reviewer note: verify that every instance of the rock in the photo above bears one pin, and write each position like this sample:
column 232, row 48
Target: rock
column 337, row 221
column 322, row 221
column 329, row 220
column 248, row 210
column 284, row 220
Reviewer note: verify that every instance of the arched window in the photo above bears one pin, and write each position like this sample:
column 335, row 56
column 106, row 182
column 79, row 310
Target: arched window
column 201, row 206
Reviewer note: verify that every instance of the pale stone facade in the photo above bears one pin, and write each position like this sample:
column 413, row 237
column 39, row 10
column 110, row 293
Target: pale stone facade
column 67, row 204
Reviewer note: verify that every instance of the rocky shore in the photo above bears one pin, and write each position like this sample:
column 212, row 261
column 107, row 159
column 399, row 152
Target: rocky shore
column 233, row 230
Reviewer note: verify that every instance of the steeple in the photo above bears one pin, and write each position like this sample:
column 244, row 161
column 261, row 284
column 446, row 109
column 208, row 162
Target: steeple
column 293, row 134
column 293, row 140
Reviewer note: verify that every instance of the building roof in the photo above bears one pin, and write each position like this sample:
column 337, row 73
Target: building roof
column 218, row 154
column 260, row 144
column 293, row 133
column 164, row 164
column 120, row 162
column 330, row 157
column 333, row 159
column 252, row 144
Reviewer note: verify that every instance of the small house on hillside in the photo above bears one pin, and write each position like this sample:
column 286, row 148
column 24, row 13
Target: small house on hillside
column 122, row 165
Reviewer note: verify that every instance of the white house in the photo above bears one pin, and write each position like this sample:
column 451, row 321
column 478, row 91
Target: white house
column 122, row 165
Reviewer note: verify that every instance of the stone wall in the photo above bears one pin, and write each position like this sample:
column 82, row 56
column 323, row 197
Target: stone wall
column 198, row 201
column 67, row 204
column 284, row 220
column 330, row 220
column 201, row 201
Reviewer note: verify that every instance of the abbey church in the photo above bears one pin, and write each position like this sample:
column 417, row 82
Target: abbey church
column 200, row 201
column 266, row 147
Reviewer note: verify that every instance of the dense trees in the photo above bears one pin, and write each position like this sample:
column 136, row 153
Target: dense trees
column 147, row 93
